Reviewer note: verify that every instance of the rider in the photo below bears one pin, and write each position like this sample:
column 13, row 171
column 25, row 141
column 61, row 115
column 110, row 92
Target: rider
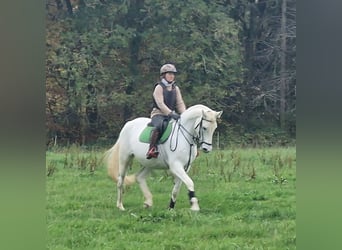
column 167, row 98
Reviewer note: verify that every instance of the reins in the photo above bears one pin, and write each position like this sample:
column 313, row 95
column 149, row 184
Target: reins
column 195, row 139
column 180, row 126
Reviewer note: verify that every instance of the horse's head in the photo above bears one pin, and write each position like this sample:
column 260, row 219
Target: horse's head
column 207, row 126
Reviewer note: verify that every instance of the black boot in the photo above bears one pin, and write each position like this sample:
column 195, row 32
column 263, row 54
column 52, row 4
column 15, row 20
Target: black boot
column 153, row 150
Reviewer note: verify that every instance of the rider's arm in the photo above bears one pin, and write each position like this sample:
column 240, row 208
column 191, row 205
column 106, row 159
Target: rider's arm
column 159, row 98
column 180, row 105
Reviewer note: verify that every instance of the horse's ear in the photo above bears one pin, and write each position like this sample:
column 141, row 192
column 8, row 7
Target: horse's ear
column 218, row 114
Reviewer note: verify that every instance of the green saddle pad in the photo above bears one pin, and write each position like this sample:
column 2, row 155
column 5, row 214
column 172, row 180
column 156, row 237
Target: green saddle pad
column 146, row 133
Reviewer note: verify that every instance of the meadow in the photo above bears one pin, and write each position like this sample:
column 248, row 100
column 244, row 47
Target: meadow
column 247, row 199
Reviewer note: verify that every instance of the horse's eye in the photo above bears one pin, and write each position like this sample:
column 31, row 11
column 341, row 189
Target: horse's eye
column 204, row 128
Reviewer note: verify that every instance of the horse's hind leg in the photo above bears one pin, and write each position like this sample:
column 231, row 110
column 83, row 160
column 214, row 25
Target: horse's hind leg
column 119, row 203
column 175, row 192
column 124, row 162
column 141, row 179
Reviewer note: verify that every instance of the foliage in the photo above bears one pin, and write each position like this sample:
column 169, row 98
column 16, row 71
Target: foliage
column 247, row 199
column 103, row 58
column 264, row 50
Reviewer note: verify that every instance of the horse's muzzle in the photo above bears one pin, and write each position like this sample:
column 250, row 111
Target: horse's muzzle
column 206, row 149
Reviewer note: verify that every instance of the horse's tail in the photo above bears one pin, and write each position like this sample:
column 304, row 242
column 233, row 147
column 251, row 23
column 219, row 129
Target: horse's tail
column 112, row 161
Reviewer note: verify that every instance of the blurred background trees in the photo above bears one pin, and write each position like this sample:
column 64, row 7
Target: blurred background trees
column 103, row 58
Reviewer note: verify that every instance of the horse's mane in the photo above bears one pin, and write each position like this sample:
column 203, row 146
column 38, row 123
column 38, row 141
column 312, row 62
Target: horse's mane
column 199, row 107
column 195, row 110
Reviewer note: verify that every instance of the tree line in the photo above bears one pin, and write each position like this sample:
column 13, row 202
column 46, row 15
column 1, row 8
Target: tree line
column 103, row 59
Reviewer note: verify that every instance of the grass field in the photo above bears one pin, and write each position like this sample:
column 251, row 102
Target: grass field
column 247, row 199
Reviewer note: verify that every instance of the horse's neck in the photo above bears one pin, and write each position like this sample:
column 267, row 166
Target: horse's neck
column 189, row 119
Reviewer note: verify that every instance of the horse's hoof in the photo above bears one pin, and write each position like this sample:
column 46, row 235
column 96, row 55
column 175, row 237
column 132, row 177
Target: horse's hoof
column 146, row 205
column 194, row 204
column 121, row 207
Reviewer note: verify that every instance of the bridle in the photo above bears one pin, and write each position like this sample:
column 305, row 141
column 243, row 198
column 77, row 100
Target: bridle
column 200, row 133
column 197, row 138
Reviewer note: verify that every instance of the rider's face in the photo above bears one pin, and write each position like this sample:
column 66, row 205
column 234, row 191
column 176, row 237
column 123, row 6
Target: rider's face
column 169, row 76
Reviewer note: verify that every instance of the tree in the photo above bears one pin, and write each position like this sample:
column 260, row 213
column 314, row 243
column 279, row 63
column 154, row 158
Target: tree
column 269, row 30
column 283, row 80
column 103, row 58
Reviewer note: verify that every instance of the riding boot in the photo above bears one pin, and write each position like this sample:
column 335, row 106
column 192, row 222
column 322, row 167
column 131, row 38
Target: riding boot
column 153, row 150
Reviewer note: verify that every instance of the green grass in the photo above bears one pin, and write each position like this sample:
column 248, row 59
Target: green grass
column 247, row 200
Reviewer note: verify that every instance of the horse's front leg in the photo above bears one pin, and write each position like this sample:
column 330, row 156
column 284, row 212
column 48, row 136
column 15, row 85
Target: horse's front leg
column 141, row 179
column 175, row 192
column 177, row 169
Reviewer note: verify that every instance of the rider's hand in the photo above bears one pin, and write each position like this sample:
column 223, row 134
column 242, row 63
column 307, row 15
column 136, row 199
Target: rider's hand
column 174, row 115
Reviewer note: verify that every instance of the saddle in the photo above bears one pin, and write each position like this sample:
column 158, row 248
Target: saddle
column 146, row 133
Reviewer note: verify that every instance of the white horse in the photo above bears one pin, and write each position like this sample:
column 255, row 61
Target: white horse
column 195, row 126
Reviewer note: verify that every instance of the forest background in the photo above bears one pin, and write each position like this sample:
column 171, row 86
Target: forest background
column 103, row 59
